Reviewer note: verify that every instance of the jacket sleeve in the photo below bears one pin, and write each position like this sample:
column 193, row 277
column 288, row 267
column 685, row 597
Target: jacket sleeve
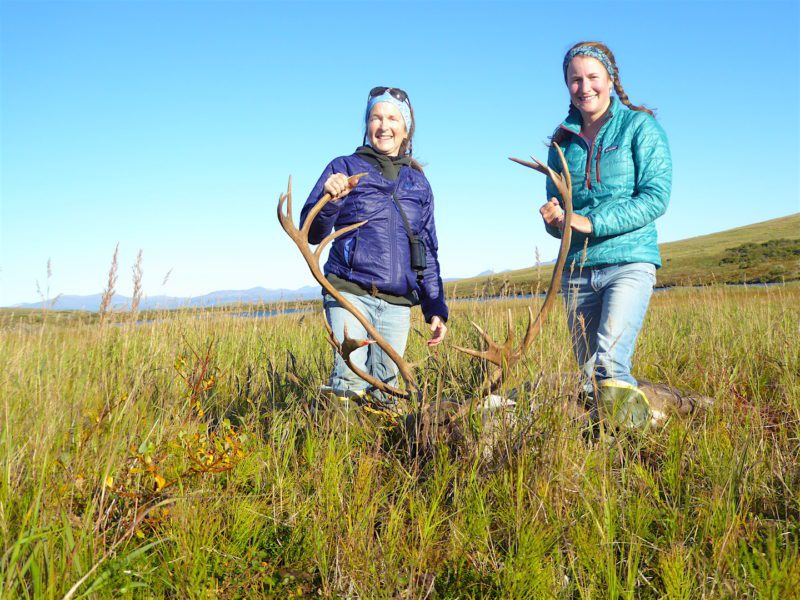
column 325, row 220
column 554, row 163
column 432, row 298
column 652, row 185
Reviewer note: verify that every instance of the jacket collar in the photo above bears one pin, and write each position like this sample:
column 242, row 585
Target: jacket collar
column 389, row 166
column 573, row 121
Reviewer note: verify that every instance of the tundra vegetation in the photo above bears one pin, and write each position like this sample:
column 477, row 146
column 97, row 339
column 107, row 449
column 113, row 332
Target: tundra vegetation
column 179, row 458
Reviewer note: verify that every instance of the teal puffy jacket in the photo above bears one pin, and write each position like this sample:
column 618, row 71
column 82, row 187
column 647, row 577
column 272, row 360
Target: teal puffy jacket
column 621, row 182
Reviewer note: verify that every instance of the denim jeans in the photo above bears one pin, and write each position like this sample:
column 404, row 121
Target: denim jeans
column 605, row 310
column 391, row 321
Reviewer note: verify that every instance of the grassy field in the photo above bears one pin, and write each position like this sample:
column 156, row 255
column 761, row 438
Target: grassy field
column 767, row 252
column 179, row 459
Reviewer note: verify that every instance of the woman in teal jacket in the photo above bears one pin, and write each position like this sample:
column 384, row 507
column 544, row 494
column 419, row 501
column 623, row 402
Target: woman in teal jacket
column 621, row 169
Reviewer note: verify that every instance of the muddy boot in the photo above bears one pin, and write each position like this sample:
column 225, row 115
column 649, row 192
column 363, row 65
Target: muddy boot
column 381, row 410
column 337, row 404
column 623, row 405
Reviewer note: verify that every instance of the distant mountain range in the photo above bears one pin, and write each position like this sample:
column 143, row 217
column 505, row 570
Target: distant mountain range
column 252, row 296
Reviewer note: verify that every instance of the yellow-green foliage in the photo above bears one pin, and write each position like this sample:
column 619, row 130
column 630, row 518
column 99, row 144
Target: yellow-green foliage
column 178, row 458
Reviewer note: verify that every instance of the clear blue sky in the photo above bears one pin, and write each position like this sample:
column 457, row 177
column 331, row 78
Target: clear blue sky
column 173, row 126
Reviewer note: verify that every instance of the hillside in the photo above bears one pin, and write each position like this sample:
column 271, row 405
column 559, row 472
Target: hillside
column 759, row 253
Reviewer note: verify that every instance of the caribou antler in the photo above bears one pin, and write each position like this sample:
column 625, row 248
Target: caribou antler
column 312, row 258
column 506, row 356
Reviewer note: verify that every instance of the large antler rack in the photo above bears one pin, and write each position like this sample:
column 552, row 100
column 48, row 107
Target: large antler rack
column 506, row 356
column 312, row 258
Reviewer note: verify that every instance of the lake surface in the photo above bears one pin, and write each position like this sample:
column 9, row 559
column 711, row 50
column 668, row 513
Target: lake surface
column 263, row 314
column 252, row 314
column 656, row 290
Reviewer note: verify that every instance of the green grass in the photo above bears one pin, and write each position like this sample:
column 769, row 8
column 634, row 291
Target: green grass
column 701, row 260
column 324, row 506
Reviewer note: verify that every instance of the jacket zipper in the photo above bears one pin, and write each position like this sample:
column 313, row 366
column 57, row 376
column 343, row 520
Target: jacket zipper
column 589, row 166
column 352, row 262
column 393, row 228
column 588, row 156
column 597, row 162
column 393, row 242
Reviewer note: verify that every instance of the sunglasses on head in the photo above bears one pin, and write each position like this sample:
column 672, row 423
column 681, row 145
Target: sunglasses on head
column 395, row 93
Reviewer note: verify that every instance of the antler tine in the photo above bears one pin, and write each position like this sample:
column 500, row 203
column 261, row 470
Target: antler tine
column 486, row 337
column 472, row 352
column 286, row 219
column 535, row 165
column 496, row 354
column 477, row 353
column 321, row 246
column 563, row 180
column 312, row 214
column 565, row 172
column 329, row 329
column 504, row 358
column 300, row 238
column 349, row 345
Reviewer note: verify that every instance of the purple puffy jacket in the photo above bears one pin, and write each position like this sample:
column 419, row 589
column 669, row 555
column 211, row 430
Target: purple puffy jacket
column 377, row 253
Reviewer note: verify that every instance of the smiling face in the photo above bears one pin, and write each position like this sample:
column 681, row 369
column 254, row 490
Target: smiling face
column 386, row 129
column 589, row 87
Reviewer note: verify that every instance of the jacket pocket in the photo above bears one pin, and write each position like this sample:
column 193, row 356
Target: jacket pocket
column 614, row 163
column 349, row 250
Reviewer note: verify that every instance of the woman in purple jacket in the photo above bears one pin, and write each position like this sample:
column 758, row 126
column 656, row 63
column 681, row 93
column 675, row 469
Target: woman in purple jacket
column 372, row 266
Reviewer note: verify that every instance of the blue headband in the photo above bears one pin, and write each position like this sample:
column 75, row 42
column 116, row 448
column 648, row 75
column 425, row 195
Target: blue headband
column 594, row 53
column 405, row 110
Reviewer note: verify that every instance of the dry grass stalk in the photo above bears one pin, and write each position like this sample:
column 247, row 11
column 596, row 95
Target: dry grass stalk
column 108, row 293
column 137, row 286
column 45, row 296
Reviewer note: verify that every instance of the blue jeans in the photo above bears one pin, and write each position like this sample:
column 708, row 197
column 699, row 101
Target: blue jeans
column 605, row 311
column 391, row 321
